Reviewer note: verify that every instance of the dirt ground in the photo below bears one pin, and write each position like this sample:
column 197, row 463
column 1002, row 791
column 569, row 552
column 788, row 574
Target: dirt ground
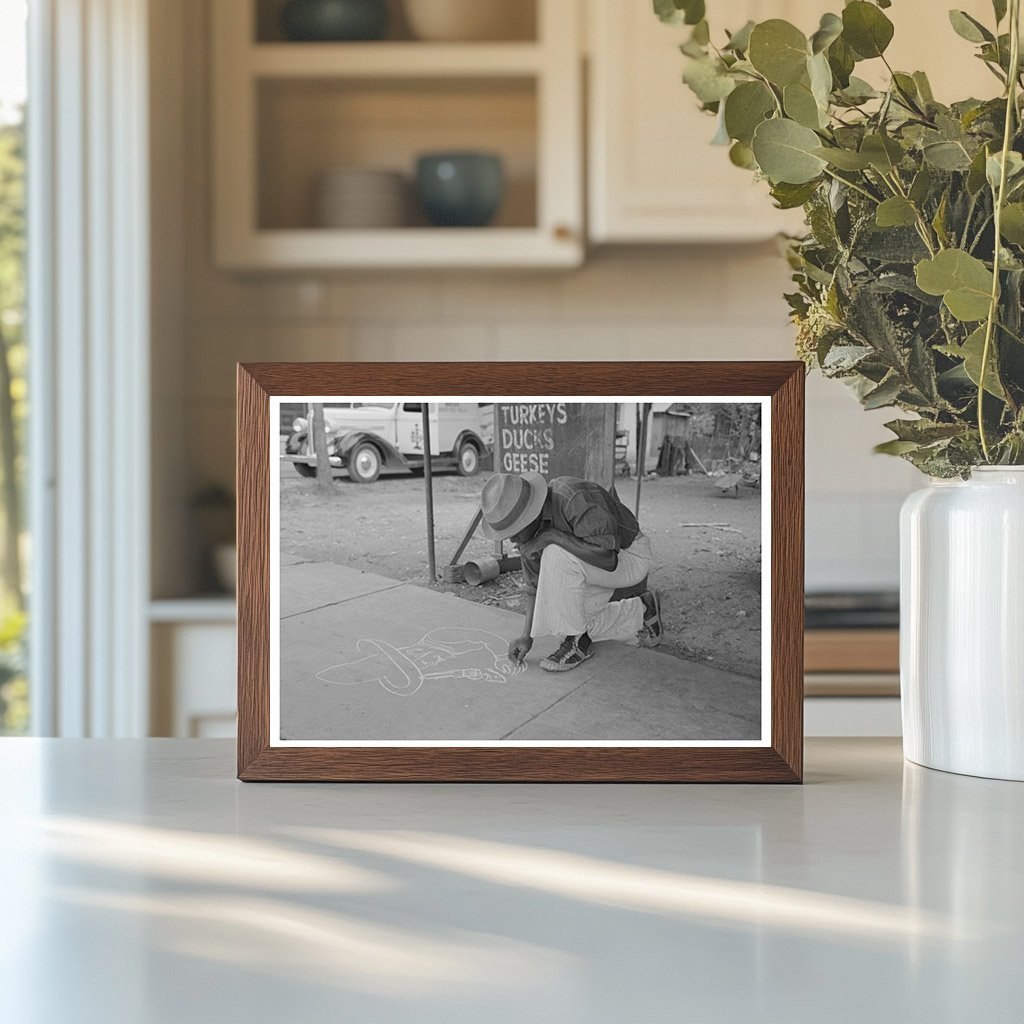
column 709, row 575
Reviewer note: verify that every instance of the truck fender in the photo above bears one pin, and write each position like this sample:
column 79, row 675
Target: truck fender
column 470, row 435
column 391, row 457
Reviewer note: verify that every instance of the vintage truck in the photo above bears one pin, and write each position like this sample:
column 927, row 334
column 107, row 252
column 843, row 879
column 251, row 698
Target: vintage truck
column 367, row 437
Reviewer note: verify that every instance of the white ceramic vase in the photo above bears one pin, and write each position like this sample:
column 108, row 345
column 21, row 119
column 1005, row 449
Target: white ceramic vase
column 962, row 624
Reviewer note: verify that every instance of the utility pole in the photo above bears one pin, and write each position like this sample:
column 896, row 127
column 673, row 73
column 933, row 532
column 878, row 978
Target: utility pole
column 324, row 472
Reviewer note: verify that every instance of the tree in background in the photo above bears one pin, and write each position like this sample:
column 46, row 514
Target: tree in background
column 12, row 348
column 727, row 432
column 13, row 407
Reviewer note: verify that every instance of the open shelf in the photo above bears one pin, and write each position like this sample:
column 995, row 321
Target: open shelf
column 520, row 15
column 306, row 128
column 286, row 114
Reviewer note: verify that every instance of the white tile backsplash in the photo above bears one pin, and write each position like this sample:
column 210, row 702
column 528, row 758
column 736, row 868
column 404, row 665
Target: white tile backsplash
column 636, row 303
column 715, row 303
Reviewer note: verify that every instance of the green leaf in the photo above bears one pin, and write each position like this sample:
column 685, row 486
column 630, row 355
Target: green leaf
column 739, row 41
column 695, row 11
column 789, row 197
column 831, row 28
column 947, row 156
column 976, row 174
column 971, row 352
column 778, row 50
column 858, row 91
column 994, row 169
column 923, row 431
column 895, row 447
column 906, row 90
column 1012, row 226
column 999, row 6
column 708, row 80
column 785, row 152
column 896, row 212
column 746, row 107
column 676, row 12
column 963, row 281
column 922, row 185
column 883, row 153
column 884, row 395
column 924, row 87
column 866, row 29
column 844, row 159
column 741, row 155
column 969, row 28
column 841, row 60
column 801, row 106
column 939, row 220
column 820, row 75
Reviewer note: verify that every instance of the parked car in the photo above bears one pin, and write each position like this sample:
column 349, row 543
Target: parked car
column 367, row 437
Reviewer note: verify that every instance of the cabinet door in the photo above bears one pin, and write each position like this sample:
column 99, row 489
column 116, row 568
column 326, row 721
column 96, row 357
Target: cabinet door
column 654, row 175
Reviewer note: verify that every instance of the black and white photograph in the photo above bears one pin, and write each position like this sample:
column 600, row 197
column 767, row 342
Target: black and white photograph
column 481, row 571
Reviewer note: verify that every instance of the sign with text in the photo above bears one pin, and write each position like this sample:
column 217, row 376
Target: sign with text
column 556, row 439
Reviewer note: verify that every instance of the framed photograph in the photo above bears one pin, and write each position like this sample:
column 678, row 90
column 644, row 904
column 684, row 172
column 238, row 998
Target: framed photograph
column 520, row 572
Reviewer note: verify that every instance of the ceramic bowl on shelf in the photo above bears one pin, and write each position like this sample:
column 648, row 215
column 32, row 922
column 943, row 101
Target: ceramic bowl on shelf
column 471, row 20
column 332, row 21
column 460, row 189
column 361, row 198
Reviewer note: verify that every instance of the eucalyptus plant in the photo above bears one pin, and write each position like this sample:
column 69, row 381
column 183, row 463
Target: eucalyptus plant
column 910, row 278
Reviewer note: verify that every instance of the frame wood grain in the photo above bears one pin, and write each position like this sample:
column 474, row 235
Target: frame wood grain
column 780, row 762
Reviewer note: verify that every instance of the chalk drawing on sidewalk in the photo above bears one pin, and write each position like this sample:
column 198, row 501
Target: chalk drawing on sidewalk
column 451, row 652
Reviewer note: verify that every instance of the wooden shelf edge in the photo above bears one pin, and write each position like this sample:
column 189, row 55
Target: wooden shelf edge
column 188, row 610
column 409, row 248
column 851, row 684
column 392, row 60
column 852, row 650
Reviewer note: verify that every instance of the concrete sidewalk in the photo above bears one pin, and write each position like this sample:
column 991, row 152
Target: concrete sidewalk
column 364, row 657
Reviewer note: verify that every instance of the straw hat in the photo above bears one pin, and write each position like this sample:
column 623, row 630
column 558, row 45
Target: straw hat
column 510, row 502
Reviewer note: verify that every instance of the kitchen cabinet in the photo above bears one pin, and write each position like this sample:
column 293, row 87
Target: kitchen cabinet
column 193, row 668
column 287, row 113
column 653, row 175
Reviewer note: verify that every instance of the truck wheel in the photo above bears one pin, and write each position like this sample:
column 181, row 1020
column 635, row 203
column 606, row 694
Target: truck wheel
column 304, row 470
column 468, row 461
column 364, row 464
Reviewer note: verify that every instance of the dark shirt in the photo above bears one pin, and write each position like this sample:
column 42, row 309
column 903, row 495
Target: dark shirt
column 587, row 511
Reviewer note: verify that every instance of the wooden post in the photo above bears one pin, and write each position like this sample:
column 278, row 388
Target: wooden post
column 641, row 453
column 428, row 479
column 324, row 472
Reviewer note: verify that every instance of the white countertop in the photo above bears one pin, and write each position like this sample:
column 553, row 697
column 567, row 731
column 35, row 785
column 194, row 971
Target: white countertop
column 143, row 885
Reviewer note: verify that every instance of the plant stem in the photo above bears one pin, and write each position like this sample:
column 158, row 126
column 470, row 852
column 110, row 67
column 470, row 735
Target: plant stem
column 768, row 85
column 923, row 228
column 855, row 187
column 993, row 309
column 1012, row 334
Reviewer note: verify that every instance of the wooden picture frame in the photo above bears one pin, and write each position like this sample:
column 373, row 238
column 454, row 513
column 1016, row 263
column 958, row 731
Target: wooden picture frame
column 780, row 386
